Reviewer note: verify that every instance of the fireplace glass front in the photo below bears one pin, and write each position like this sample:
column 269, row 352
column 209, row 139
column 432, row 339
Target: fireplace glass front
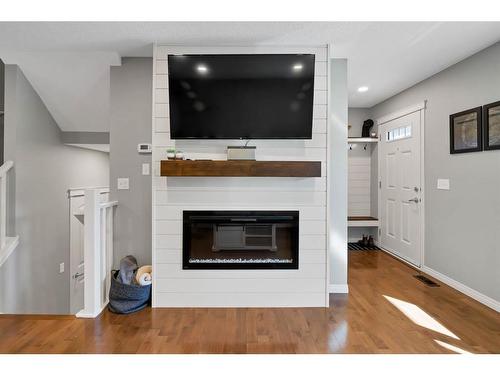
column 240, row 239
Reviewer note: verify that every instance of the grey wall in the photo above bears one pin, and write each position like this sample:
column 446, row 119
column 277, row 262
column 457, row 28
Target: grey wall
column 2, row 79
column 2, row 72
column 462, row 225
column 131, row 115
column 356, row 116
column 44, row 169
column 95, row 138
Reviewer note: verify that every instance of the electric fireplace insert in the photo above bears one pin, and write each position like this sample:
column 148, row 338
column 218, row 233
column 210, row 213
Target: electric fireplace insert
column 240, row 240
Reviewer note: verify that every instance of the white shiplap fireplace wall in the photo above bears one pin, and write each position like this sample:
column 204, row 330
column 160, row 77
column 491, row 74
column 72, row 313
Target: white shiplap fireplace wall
column 175, row 287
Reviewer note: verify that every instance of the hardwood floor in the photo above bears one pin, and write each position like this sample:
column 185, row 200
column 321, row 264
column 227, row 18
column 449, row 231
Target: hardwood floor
column 386, row 311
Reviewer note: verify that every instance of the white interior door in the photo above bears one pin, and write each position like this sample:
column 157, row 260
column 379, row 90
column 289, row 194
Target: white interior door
column 400, row 187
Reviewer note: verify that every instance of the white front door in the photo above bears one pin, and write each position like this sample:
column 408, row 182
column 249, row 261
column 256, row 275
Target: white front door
column 400, row 187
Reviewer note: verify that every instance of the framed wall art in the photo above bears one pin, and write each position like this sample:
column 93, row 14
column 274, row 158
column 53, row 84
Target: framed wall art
column 465, row 131
column 491, row 126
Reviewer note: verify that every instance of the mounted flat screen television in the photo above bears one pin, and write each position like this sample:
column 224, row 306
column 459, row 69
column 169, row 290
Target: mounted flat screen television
column 241, row 96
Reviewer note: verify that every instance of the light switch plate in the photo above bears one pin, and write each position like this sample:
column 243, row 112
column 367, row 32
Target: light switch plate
column 443, row 184
column 61, row 267
column 123, row 183
column 145, row 169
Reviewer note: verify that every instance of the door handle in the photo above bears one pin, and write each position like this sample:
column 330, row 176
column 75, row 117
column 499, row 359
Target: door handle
column 414, row 200
column 77, row 275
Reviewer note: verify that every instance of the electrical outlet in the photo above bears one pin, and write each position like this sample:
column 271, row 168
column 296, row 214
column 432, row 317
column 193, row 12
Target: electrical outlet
column 61, row 267
column 123, row 184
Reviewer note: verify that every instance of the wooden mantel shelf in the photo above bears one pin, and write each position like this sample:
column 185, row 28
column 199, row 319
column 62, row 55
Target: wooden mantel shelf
column 240, row 168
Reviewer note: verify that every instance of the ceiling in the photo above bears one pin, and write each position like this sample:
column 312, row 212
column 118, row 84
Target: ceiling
column 68, row 62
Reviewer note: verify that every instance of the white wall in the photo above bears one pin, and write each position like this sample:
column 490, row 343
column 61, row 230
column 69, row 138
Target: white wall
column 462, row 236
column 176, row 287
column 337, row 189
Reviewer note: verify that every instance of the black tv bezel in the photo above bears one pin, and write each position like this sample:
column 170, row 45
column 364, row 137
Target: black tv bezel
column 239, row 54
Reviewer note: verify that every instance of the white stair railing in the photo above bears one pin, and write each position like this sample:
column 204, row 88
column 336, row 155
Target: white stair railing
column 98, row 253
column 7, row 244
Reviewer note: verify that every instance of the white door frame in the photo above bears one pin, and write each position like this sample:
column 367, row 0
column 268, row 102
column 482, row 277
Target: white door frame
column 419, row 107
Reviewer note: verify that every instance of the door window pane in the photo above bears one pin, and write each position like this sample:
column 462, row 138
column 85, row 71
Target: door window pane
column 399, row 133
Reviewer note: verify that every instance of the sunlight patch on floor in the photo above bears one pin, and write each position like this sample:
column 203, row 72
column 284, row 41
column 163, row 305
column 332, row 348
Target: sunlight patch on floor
column 338, row 338
column 420, row 317
column 453, row 348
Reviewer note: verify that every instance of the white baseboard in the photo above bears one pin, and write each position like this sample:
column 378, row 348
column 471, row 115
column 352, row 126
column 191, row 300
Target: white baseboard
column 485, row 300
column 338, row 288
column 90, row 315
column 472, row 293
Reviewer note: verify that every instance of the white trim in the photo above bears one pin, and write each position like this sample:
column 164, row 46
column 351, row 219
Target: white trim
column 485, row 300
column 80, row 192
column 338, row 288
column 422, row 185
column 10, row 245
column 398, row 257
column 362, row 223
column 472, row 293
column 400, row 113
column 153, row 185
column 86, row 315
column 100, row 147
column 5, row 167
column 328, row 180
column 7, row 244
column 361, row 140
column 109, row 204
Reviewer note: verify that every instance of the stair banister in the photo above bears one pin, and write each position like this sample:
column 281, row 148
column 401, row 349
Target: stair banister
column 98, row 252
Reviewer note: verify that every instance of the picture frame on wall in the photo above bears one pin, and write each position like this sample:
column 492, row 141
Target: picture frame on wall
column 466, row 131
column 491, row 126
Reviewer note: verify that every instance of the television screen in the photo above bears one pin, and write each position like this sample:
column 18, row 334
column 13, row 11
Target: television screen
column 241, row 96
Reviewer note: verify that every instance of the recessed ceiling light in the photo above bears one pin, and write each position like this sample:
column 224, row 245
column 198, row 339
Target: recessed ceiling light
column 202, row 68
column 363, row 89
column 297, row 67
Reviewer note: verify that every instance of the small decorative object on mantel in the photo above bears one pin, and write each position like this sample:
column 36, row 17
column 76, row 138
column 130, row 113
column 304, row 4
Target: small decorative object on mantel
column 179, row 155
column 465, row 131
column 491, row 126
column 171, row 154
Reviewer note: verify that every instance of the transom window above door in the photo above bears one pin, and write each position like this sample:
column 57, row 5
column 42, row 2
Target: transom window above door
column 399, row 133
